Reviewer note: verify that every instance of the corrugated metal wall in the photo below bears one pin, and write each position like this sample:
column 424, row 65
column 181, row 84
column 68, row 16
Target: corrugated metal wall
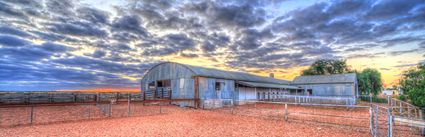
column 166, row 71
column 207, row 88
column 247, row 93
column 212, row 98
column 182, row 82
column 331, row 89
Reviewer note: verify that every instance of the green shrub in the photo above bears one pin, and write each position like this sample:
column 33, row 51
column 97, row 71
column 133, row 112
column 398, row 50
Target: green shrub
column 402, row 98
column 374, row 99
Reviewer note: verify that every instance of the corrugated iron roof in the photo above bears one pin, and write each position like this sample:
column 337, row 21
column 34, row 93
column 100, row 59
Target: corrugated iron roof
column 266, row 85
column 324, row 79
column 215, row 73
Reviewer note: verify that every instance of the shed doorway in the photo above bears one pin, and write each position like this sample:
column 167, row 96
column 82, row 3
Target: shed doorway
column 163, row 89
column 309, row 92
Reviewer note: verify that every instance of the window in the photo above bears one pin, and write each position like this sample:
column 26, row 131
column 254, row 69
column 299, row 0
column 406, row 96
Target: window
column 181, row 82
column 217, row 86
column 309, row 92
column 151, row 86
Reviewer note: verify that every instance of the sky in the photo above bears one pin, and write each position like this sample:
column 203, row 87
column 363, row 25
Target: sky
column 91, row 44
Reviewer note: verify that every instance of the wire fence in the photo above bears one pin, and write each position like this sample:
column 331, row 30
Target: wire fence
column 344, row 116
column 374, row 119
column 11, row 116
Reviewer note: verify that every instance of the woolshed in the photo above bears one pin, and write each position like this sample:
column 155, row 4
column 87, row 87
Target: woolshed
column 337, row 85
column 194, row 86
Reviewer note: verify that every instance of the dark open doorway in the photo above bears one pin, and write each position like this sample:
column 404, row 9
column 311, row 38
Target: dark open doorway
column 309, row 92
column 163, row 89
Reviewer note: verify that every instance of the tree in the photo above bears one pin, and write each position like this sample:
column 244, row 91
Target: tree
column 369, row 81
column 413, row 85
column 326, row 67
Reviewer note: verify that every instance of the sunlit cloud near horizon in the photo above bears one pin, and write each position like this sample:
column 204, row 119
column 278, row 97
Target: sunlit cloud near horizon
column 89, row 44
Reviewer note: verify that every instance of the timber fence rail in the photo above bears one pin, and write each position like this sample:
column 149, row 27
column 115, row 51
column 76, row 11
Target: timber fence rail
column 404, row 109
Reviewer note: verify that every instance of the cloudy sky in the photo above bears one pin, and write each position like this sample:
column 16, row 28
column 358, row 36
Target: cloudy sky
column 69, row 44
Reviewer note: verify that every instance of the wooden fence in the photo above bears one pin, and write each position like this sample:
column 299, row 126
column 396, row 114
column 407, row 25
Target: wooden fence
column 404, row 109
column 7, row 98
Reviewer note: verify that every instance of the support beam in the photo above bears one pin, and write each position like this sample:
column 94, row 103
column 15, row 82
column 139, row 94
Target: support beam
column 197, row 101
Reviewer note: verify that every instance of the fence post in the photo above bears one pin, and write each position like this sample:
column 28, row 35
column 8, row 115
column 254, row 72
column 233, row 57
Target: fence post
column 371, row 120
column 89, row 111
column 370, row 98
column 420, row 117
column 110, row 109
column 286, row 112
column 388, row 100
column 31, row 114
column 390, row 123
column 128, row 104
column 377, row 121
column 231, row 110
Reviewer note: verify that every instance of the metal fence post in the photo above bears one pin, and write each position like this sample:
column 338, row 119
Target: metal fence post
column 371, row 120
column 390, row 123
column 286, row 112
column 31, row 114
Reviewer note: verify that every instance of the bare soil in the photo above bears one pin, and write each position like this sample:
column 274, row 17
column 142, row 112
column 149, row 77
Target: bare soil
column 248, row 120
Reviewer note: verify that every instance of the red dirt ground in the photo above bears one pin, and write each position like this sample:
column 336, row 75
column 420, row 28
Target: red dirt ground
column 261, row 120
column 182, row 122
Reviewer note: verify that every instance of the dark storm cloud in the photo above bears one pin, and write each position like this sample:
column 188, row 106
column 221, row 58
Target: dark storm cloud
column 130, row 23
column 239, row 15
column 93, row 15
column 12, row 41
column 252, row 38
column 13, row 31
column 391, row 9
column 248, row 34
column 55, row 48
column 173, row 44
column 96, row 64
column 61, row 7
column 77, row 28
column 57, row 78
column 8, row 10
column 30, row 53
column 99, row 54
column 323, row 22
